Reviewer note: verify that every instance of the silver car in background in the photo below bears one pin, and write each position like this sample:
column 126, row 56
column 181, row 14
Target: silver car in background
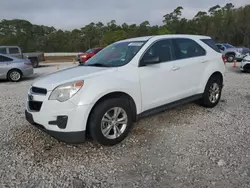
column 14, row 69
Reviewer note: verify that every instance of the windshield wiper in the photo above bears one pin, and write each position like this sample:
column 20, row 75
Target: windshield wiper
column 98, row 65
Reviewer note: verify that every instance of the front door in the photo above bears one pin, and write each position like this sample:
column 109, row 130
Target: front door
column 157, row 83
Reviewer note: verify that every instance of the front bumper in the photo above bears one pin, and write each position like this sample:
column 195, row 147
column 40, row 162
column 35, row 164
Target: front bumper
column 65, row 121
column 245, row 66
column 68, row 137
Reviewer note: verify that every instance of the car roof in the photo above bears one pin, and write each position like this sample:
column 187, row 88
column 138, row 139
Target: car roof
column 146, row 38
column 9, row 46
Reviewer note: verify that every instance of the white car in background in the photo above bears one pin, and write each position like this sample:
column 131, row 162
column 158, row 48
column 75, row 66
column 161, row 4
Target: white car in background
column 124, row 82
column 245, row 64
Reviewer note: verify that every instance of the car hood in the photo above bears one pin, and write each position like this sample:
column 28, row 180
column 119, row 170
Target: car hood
column 247, row 58
column 52, row 80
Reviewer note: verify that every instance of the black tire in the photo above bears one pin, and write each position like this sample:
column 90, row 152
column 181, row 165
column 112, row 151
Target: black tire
column 230, row 58
column 16, row 78
column 205, row 101
column 35, row 63
column 94, row 123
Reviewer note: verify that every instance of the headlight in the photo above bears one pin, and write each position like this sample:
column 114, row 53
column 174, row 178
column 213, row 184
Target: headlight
column 65, row 91
column 83, row 56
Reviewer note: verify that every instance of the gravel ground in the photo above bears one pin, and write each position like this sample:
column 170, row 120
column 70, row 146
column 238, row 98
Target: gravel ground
column 188, row 146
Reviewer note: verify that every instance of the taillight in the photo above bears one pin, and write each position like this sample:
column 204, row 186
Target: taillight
column 28, row 63
column 224, row 59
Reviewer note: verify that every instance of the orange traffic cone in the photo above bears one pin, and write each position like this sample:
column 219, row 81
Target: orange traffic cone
column 234, row 66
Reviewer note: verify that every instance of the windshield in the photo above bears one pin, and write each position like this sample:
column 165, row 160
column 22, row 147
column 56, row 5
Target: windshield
column 116, row 54
column 228, row 46
column 89, row 51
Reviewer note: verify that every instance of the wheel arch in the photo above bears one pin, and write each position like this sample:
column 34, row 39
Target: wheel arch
column 115, row 94
column 230, row 53
column 19, row 70
column 215, row 74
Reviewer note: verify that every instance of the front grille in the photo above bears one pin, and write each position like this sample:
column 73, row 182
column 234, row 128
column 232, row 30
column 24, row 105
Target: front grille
column 38, row 90
column 35, row 105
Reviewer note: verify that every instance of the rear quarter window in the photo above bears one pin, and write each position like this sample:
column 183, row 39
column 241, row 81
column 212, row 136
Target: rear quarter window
column 211, row 44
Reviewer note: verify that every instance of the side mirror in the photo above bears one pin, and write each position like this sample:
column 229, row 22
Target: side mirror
column 150, row 61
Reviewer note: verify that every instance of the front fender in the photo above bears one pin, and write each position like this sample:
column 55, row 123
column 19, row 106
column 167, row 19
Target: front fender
column 96, row 87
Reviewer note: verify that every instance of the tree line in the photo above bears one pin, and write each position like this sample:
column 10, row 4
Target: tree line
column 223, row 24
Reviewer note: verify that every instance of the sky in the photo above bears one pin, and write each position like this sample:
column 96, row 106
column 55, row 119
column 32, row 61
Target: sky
column 71, row 14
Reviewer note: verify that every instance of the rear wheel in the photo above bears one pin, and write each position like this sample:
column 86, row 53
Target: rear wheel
column 34, row 62
column 212, row 93
column 14, row 75
column 110, row 121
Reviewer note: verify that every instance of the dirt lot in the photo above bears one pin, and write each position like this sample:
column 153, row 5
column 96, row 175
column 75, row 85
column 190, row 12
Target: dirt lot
column 188, row 146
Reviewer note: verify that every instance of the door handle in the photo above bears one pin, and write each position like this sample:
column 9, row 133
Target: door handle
column 175, row 68
column 205, row 61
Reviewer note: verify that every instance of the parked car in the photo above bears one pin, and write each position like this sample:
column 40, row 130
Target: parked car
column 232, row 53
column 104, row 96
column 15, row 51
column 83, row 57
column 13, row 68
column 245, row 64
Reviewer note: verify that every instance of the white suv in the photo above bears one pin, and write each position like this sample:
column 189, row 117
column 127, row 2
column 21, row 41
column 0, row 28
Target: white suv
column 126, row 81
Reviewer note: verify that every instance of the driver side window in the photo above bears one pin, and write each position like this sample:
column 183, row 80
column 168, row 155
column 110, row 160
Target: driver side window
column 162, row 49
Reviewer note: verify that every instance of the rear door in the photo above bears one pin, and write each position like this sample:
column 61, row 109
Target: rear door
column 4, row 65
column 15, row 52
column 189, row 66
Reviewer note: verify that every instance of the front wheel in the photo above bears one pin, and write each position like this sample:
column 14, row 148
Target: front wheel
column 230, row 58
column 110, row 121
column 212, row 93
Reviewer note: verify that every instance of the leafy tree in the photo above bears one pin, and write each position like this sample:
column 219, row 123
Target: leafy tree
column 222, row 23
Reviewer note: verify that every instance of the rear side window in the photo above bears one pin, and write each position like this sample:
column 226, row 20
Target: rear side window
column 4, row 59
column 3, row 50
column 211, row 43
column 187, row 48
column 13, row 50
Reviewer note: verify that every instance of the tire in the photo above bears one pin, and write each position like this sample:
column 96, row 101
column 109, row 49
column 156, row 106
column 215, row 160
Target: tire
column 207, row 99
column 97, row 128
column 14, row 75
column 230, row 58
column 34, row 63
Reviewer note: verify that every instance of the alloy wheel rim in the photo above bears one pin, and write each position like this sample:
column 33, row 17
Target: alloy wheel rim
column 114, row 123
column 230, row 58
column 15, row 75
column 214, row 93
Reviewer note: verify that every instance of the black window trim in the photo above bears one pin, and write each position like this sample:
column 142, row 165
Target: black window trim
column 172, row 38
